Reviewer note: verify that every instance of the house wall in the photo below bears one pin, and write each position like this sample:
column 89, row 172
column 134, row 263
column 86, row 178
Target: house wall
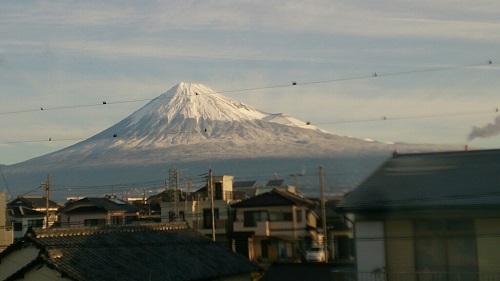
column 399, row 239
column 17, row 260
column 291, row 229
column 488, row 244
column 6, row 233
column 370, row 246
column 77, row 220
column 400, row 249
column 24, row 223
column 193, row 214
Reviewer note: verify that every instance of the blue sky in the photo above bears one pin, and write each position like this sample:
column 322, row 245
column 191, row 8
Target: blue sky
column 64, row 54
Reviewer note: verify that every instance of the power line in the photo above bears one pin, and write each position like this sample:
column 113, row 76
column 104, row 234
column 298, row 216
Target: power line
column 367, row 120
column 291, row 84
column 414, row 117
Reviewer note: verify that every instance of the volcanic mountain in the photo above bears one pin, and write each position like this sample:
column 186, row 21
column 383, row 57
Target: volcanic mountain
column 192, row 127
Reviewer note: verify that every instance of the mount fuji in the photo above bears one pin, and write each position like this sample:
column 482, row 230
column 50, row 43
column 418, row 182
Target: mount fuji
column 192, row 127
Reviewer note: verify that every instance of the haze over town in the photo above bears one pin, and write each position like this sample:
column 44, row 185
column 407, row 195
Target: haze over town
column 419, row 72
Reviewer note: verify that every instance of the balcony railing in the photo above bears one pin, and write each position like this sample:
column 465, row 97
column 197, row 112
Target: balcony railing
column 261, row 228
column 415, row 276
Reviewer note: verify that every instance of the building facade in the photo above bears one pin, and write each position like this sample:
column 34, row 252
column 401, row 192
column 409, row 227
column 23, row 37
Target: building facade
column 196, row 208
column 430, row 216
column 94, row 211
column 274, row 226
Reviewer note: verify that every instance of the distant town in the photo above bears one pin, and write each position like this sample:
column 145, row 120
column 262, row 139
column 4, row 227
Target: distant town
column 420, row 216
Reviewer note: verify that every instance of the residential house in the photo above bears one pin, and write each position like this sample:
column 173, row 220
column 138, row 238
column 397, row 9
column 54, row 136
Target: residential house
column 127, row 253
column 277, row 225
column 196, row 208
column 92, row 211
column 429, row 216
column 22, row 218
column 31, row 211
column 340, row 230
column 6, row 233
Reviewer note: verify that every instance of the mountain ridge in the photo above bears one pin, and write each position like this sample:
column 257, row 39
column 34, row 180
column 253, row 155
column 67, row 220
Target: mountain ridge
column 191, row 125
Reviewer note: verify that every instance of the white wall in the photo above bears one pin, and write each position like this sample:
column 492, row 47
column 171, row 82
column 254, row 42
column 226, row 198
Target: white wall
column 370, row 246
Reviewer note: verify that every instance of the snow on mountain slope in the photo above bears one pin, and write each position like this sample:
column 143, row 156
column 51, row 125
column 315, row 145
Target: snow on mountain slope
column 192, row 113
column 193, row 109
column 193, row 122
column 193, row 127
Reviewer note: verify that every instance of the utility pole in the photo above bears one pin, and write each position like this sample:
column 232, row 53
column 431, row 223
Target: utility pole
column 211, row 192
column 187, row 193
column 47, row 195
column 174, row 181
column 176, row 194
column 323, row 212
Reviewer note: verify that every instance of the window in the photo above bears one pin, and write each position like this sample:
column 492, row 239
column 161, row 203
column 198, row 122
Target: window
column 252, row 217
column 38, row 223
column 172, row 217
column 129, row 219
column 446, row 246
column 207, row 217
column 281, row 216
column 218, row 191
column 298, row 215
column 18, row 226
column 116, row 220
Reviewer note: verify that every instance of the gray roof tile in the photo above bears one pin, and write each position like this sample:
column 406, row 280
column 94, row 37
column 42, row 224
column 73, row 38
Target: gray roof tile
column 442, row 179
column 146, row 252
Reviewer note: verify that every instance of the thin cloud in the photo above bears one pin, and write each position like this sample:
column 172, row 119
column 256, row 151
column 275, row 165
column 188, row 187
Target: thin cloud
column 324, row 17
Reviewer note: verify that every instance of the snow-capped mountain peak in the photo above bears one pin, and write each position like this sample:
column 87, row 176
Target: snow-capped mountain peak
column 190, row 113
column 196, row 101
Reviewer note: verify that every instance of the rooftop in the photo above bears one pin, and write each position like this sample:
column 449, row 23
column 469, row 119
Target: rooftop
column 153, row 251
column 274, row 197
column 440, row 179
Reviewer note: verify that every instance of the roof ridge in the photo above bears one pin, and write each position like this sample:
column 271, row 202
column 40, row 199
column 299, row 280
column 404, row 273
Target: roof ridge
column 469, row 151
column 58, row 232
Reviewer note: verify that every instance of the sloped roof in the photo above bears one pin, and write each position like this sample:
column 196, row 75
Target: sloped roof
column 33, row 202
column 21, row 211
column 99, row 203
column 274, row 197
column 446, row 179
column 152, row 252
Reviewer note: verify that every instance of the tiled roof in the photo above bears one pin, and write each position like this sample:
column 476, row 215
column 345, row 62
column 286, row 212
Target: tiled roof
column 274, row 198
column 33, row 202
column 446, row 179
column 20, row 211
column 99, row 203
column 146, row 252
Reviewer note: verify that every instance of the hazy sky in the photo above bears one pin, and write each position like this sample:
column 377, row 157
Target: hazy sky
column 68, row 54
